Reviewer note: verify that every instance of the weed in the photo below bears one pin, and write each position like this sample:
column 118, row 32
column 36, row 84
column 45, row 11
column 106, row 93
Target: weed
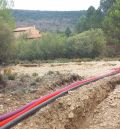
column 38, row 79
column 50, row 73
column 35, row 74
column 11, row 76
column 1, row 78
column 33, row 83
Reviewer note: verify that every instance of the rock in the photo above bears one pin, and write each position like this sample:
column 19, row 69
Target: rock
column 70, row 115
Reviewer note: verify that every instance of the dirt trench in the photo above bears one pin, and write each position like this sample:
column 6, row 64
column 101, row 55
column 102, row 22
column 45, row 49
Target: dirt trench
column 83, row 108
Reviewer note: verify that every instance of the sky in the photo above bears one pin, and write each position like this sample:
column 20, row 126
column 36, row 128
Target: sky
column 55, row 5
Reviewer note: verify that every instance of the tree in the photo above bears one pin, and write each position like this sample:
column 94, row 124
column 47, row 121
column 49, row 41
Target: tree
column 91, row 43
column 6, row 39
column 5, row 13
column 81, row 25
column 93, row 19
column 6, row 25
column 112, row 23
column 91, row 11
column 105, row 5
column 68, row 32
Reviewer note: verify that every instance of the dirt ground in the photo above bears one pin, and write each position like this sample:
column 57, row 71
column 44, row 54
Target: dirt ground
column 94, row 106
column 86, row 69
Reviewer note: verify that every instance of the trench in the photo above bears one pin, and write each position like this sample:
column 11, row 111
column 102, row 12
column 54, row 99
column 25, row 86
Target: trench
column 96, row 95
column 72, row 110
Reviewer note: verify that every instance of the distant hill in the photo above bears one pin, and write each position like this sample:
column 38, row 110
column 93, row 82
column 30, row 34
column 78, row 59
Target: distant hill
column 47, row 20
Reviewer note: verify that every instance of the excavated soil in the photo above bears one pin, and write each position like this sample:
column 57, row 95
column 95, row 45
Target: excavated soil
column 107, row 113
column 93, row 106
column 25, row 88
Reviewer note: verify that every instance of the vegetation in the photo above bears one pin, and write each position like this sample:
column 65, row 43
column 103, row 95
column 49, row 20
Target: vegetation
column 6, row 40
column 90, row 43
column 68, row 32
column 105, row 5
column 49, row 47
column 7, row 74
column 6, row 25
column 52, row 21
column 5, row 12
column 52, row 46
column 106, row 17
column 112, row 23
column 96, row 30
column 93, row 19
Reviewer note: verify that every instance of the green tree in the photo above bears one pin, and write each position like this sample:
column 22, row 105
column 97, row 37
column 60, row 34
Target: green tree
column 50, row 46
column 6, row 25
column 93, row 19
column 105, row 5
column 91, row 43
column 68, row 32
column 112, row 23
column 81, row 25
column 6, row 39
column 5, row 12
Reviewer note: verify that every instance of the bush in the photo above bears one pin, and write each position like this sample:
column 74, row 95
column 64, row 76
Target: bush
column 50, row 46
column 1, row 78
column 90, row 43
column 6, row 41
column 9, row 75
column 35, row 74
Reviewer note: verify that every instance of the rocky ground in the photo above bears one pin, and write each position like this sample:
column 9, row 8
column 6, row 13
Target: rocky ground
column 25, row 88
column 86, row 69
column 94, row 106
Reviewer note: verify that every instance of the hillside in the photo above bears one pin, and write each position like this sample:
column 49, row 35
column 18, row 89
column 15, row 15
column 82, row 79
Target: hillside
column 47, row 20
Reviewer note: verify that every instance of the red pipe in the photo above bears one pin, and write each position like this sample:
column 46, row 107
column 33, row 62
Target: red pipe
column 45, row 98
column 7, row 115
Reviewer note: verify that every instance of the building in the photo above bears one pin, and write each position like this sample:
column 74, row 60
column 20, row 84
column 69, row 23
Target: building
column 27, row 33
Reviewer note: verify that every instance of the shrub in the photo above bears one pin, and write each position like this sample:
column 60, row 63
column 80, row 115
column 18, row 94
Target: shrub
column 35, row 74
column 50, row 46
column 9, row 75
column 1, row 78
column 90, row 43
column 6, row 41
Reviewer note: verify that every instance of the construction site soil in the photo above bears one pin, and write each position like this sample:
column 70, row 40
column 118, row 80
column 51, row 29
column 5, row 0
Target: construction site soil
column 93, row 106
